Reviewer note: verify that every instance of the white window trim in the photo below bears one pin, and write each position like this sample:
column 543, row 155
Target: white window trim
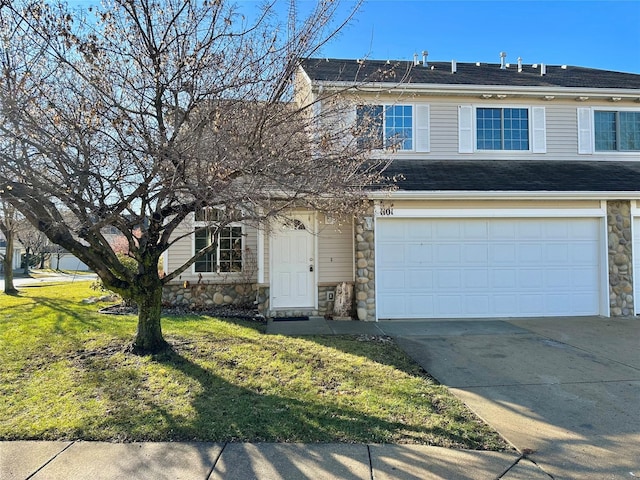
column 468, row 129
column 587, row 132
column 201, row 224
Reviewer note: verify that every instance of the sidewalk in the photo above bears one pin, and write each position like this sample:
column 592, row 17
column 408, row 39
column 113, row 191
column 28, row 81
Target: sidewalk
column 245, row 461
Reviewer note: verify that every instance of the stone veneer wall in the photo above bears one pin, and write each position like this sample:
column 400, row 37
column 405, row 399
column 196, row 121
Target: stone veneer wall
column 365, row 271
column 208, row 294
column 620, row 258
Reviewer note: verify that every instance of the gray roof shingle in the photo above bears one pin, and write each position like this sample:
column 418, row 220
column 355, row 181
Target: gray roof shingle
column 439, row 73
column 516, row 175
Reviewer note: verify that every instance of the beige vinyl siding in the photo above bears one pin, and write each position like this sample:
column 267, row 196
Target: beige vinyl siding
column 494, row 204
column 335, row 253
column 561, row 126
column 182, row 250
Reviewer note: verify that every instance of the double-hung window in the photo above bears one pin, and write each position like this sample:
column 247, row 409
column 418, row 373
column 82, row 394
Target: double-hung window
column 395, row 127
column 227, row 256
column 616, row 131
column 508, row 129
column 502, row 129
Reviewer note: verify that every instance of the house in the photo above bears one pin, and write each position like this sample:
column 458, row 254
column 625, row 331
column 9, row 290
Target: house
column 17, row 253
column 518, row 196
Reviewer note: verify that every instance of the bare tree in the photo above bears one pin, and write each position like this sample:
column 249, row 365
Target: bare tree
column 8, row 223
column 34, row 241
column 140, row 114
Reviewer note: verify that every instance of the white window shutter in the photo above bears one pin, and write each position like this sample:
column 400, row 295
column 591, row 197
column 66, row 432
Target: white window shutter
column 423, row 133
column 465, row 129
column 539, row 136
column 585, row 135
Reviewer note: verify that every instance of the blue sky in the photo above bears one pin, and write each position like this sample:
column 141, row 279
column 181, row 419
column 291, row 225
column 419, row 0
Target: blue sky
column 596, row 34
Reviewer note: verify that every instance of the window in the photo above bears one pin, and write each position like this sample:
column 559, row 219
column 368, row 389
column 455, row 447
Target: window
column 227, row 257
column 385, row 126
column 502, row 128
column 617, row 131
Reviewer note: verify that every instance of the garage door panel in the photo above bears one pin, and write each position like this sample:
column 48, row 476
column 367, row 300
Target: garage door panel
column 502, row 231
column 419, row 280
column 531, row 278
column 393, row 280
column 475, row 253
column 473, row 279
column 447, row 254
column 420, row 253
column 530, row 254
column 487, row 267
column 503, row 253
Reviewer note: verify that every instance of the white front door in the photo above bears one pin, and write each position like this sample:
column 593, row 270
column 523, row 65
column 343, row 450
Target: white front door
column 293, row 274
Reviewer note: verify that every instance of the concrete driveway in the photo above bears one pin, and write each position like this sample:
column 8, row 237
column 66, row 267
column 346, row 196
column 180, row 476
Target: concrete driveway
column 564, row 391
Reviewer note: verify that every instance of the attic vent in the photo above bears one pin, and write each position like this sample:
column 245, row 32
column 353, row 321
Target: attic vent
column 543, row 69
column 454, row 66
column 519, row 64
column 503, row 60
column 425, row 54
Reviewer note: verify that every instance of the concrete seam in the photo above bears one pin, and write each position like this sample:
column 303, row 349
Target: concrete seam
column 544, row 384
column 515, row 462
column 585, row 350
column 370, row 462
column 50, row 460
column 215, row 462
column 539, row 467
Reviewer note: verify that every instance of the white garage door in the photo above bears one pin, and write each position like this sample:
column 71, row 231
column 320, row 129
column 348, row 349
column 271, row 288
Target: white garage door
column 498, row 267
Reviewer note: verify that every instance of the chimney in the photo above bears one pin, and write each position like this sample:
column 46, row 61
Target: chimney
column 543, row 69
column 519, row 64
column 454, row 66
column 503, row 60
column 425, row 54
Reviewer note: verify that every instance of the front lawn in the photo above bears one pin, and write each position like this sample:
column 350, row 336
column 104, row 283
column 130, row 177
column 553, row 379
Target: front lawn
column 65, row 374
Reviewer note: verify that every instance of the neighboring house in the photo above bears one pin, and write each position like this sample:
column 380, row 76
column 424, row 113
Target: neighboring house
column 17, row 253
column 518, row 197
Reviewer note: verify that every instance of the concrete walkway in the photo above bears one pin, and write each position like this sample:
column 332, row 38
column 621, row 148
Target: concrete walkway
column 246, row 461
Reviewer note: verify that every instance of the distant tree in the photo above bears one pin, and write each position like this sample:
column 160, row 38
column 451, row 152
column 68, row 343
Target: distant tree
column 34, row 242
column 137, row 115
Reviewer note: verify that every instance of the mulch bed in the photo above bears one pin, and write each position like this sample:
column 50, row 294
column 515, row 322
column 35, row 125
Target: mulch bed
column 221, row 311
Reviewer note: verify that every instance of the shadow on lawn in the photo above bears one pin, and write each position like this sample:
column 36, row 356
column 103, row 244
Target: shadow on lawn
column 227, row 412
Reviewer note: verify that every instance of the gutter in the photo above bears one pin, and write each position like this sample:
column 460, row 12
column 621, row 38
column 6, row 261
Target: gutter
column 475, row 90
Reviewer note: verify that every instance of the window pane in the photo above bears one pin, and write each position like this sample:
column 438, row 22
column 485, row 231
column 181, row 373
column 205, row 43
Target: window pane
column 489, row 135
column 398, row 123
column 629, row 131
column 231, row 249
column 516, row 129
column 605, row 130
column 204, row 263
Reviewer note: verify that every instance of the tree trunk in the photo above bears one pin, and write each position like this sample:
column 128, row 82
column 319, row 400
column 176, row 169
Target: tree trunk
column 9, row 288
column 27, row 259
column 149, row 337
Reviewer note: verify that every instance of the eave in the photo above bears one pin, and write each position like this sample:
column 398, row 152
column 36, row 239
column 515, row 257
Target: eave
column 575, row 93
column 502, row 195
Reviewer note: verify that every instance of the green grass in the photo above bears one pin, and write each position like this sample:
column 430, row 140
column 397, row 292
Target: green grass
column 65, row 374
